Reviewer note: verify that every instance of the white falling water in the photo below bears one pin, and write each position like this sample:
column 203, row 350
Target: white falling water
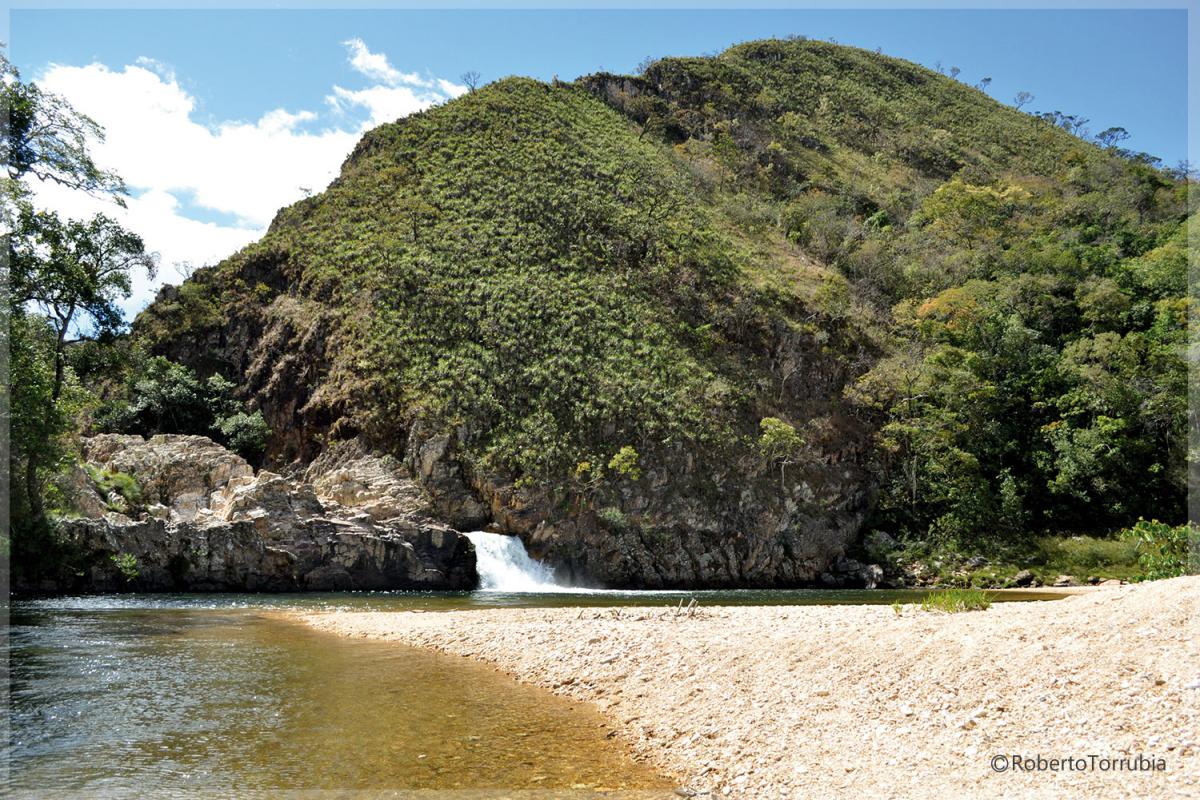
column 504, row 566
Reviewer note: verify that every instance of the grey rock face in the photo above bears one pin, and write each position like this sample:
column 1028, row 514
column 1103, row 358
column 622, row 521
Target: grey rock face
column 325, row 555
column 686, row 524
column 847, row 573
column 434, row 464
column 694, row 518
column 209, row 523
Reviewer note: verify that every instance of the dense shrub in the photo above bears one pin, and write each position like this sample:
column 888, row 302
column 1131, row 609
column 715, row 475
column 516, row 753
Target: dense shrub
column 1163, row 550
column 160, row 396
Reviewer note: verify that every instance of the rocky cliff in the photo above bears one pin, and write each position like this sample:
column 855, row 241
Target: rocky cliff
column 181, row 513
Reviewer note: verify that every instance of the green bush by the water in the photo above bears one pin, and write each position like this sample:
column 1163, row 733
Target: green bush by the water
column 127, row 565
column 1084, row 558
column 1163, row 550
column 955, row 600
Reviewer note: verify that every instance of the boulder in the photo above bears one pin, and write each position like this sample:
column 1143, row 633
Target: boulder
column 849, row 573
column 81, row 495
column 277, row 506
column 180, row 472
column 348, row 474
column 1024, row 578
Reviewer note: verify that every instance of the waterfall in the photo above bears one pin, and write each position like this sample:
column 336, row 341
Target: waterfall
column 504, row 566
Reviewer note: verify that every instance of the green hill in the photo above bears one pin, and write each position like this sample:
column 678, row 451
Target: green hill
column 698, row 326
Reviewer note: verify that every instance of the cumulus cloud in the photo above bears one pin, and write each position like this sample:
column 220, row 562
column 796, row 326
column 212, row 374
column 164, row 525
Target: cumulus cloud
column 244, row 169
column 376, row 67
column 450, row 88
column 397, row 93
column 200, row 191
column 382, row 103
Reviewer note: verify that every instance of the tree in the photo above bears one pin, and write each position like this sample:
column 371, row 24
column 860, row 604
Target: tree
column 1111, row 137
column 35, row 420
column 65, row 279
column 1022, row 99
column 726, row 152
column 414, row 211
column 75, row 273
column 781, row 443
column 245, row 434
column 625, row 462
column 471, row 79
column 161, row 396
column 46, row 138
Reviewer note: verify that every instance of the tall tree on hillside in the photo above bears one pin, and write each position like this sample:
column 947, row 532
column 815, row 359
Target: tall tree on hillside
column 74, row 273
column 65, row 279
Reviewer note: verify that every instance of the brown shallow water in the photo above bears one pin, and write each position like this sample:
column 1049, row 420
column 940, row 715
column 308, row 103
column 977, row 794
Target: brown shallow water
column 240, row 703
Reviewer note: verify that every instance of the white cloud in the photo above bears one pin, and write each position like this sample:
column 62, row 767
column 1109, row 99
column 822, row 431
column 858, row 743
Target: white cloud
column 398, row 93
column 383, row 103
column 245, row 169
column 451, row 88
column 376, row 67
column 238, row 172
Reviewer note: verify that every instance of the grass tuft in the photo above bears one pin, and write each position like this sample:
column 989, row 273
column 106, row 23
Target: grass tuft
column 952, row 601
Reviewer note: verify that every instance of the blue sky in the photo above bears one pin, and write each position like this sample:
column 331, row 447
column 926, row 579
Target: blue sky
column 1120, row 67
column 217, row 69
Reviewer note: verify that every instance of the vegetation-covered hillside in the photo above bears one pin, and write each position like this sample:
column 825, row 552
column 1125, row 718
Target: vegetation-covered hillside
column 1033, row 283
column 524, row 263
column 710, row 323
column 527, row 270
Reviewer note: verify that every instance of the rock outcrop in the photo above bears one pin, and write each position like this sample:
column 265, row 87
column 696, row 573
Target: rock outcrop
column 201, row 519
column 683, row 524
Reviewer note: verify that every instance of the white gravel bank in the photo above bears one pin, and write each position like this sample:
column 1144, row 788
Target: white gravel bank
column 855, row 701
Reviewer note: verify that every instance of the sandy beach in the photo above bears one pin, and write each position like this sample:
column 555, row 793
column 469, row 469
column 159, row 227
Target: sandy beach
column 858, row 701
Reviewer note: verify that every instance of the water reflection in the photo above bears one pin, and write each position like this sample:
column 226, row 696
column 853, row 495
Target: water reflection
column 186, row 702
